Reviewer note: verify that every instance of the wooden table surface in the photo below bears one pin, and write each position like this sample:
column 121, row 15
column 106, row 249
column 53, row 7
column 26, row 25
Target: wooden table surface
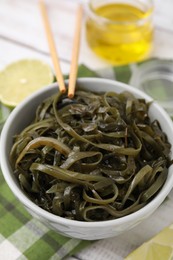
column 22, row 36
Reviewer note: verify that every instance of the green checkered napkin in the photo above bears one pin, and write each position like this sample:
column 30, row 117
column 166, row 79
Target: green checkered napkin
column 23, row 237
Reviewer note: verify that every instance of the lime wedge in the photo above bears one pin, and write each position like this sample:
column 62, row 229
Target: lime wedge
column 20, row 79
column 159, row 247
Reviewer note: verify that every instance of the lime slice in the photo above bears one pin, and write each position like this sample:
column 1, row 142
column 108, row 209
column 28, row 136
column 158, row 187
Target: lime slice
column 20, row 79
column 159, row 247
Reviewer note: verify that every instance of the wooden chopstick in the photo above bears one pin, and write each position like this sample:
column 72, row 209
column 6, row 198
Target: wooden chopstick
column 52, row 47
column 75, row 53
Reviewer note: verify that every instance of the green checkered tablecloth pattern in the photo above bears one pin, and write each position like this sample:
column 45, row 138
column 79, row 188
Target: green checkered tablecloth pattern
column 23, row 237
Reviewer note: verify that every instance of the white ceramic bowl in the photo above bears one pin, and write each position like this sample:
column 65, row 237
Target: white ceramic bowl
column 23, row 114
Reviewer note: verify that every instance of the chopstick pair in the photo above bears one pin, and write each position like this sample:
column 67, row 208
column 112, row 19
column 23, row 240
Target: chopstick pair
column 54, row 54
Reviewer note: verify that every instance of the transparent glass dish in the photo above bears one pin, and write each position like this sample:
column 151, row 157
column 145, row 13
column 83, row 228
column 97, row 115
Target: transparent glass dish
column 155, row 78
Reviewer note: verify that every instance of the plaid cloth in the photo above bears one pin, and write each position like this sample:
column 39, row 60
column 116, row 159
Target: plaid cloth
column 23, row 237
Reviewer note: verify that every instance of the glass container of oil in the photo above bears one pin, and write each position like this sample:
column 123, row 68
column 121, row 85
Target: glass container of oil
column 120, row 31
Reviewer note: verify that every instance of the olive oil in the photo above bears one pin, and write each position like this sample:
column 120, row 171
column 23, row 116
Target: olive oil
column 120, row 33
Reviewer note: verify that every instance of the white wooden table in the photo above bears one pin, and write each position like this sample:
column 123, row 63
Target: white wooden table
column 22, row 36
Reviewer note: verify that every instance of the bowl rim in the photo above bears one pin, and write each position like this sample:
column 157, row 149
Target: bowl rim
column 148, row 208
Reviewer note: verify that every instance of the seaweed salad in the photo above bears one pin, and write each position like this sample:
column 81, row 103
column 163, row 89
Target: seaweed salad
column 95, row 157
